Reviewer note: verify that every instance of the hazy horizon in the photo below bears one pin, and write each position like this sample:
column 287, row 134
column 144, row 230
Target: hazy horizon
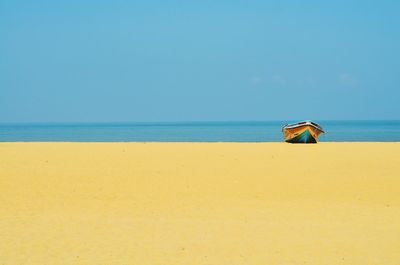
column 216, row 122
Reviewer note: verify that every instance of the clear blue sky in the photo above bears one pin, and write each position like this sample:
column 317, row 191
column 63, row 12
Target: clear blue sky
column 79, row 61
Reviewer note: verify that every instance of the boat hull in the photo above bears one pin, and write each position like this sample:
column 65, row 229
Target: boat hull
column 301, row 134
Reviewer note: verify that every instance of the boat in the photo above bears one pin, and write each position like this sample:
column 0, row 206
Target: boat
column 302, row 132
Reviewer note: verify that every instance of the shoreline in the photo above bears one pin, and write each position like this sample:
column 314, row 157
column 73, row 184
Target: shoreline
column 211, row 142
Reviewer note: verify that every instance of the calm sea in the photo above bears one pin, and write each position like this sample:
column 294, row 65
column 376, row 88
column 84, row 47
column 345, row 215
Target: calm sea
column 265, row 131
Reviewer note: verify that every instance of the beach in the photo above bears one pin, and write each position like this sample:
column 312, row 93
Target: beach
column 199, row 203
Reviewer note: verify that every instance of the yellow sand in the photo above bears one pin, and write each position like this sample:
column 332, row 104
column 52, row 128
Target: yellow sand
column 188, row 203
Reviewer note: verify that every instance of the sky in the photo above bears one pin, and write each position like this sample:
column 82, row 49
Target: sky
column 139, row 61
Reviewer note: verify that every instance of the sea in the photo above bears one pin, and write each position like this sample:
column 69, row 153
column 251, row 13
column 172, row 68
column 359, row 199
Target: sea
column 257, row 131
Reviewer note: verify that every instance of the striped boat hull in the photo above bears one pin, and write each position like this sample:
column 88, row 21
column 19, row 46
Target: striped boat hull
column 301, row 134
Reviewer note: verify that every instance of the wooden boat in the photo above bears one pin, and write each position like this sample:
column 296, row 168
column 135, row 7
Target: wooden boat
column 302, row 132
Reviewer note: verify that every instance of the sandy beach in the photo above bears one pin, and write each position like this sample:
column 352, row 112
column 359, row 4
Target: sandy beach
column 199, row 203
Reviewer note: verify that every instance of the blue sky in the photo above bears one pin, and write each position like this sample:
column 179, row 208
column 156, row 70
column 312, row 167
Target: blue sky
column 82, row 61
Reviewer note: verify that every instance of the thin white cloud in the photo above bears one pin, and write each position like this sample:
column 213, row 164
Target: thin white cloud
column 347, row 79
column 278, row 79
column 255, row 81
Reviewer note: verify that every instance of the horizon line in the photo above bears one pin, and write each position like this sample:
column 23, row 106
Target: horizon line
column 185, row 122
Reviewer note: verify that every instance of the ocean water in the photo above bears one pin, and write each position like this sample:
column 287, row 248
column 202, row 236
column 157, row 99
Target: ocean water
column 263, row 131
